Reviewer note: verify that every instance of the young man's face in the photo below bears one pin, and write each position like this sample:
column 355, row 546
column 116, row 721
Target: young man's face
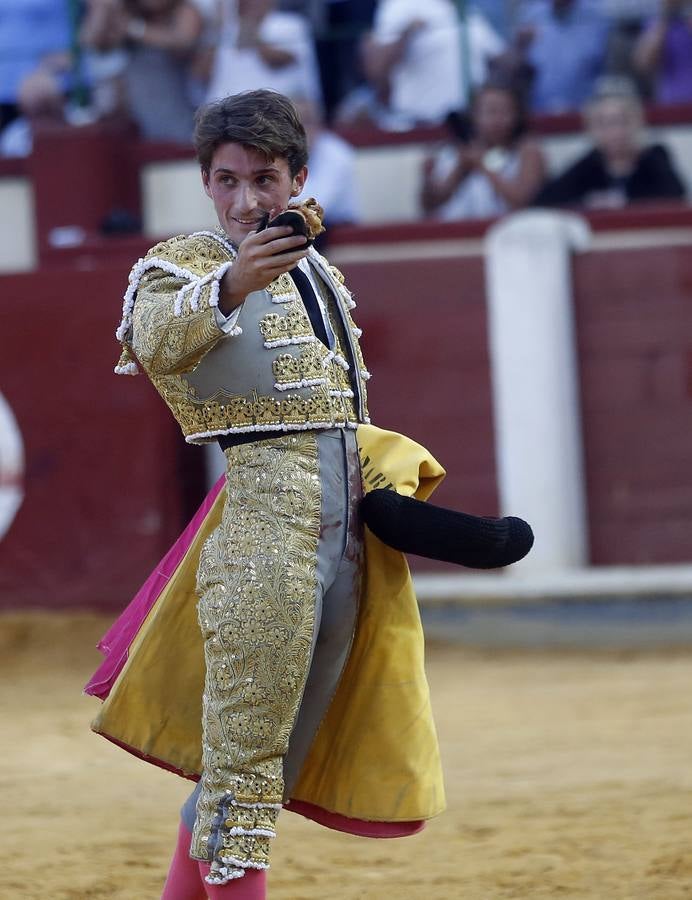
column 243, row 186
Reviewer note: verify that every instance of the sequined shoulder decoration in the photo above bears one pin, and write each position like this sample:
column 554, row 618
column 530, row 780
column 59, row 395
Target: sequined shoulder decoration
column 198, row 262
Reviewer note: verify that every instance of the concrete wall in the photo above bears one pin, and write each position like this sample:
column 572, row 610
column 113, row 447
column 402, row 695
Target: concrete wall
column 387, row 184
column 17, row 233
column 387, row 180
column 634, row 338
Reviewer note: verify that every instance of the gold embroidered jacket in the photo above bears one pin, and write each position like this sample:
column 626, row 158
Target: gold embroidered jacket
column 270, row 372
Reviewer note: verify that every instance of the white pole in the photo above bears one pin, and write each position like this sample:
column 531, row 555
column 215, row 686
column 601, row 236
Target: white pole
column 535, row 382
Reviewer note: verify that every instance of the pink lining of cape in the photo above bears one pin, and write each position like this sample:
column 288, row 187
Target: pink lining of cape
column 115, row 645
column 117, row 640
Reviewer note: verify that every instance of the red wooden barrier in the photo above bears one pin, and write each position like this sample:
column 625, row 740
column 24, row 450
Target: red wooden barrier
column 634, row 325
column 104, row 491
column 102, row 494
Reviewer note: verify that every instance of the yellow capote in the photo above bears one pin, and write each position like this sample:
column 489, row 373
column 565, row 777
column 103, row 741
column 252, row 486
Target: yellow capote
column 375, row 756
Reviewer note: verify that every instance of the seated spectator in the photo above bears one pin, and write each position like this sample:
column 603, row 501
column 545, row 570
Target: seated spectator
column 53, row 94
column 331, row 169
column 40, row 102
column 566, row 46
column 33, row 36
column 619, row 169
column 261, row 47
column 158, row 37
column 664, row 52
column 413, row 58
column 492, row 169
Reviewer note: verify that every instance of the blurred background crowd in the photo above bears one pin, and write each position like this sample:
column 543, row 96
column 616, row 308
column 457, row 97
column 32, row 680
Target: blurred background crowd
column 483, row 71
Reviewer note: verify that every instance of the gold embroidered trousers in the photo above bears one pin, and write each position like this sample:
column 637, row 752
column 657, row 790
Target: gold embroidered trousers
column 277, row 610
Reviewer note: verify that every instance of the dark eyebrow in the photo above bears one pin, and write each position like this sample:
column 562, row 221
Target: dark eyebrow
column 264, row 171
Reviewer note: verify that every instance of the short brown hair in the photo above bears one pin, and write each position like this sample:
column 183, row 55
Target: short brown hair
column 264, row 121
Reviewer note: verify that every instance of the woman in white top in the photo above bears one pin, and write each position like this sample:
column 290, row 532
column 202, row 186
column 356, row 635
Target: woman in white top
column 491, row 169
column 263, row 47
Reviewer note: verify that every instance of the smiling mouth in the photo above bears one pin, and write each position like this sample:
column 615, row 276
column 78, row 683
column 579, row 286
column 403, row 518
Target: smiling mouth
column 246, row 221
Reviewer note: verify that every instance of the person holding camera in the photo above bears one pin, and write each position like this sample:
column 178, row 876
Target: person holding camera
column 492, row 167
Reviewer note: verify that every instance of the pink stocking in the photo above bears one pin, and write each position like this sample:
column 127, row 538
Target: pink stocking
column 252, row 886
column 183, row 881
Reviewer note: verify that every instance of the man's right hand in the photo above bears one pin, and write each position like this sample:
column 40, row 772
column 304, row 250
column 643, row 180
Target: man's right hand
column 262, row 257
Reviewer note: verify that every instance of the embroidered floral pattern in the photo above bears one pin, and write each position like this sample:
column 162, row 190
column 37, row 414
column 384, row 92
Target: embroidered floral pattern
column 283, row 290
column 256, row 582
column 292, row 328
column 228, row 415
column 170, row 325
column 303, row 370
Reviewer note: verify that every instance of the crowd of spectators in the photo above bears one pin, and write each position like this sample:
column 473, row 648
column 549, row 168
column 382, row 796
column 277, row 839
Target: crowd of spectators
column 481, row 67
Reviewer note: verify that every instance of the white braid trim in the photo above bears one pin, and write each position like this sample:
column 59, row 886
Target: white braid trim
column 340, row 361
column 357, row 331
column 256, row 805
column 285, row 298
column 252, row 832
column 194, row 296
column 365, row 375
column 223, row 875
column 140, row 268
column 212, row 277
column 347, row 393
column 342, row 289
column 286, row 342
column 180, row 296
column 243, row 863
column 314, row 254
column 226, row 244
column 304, row 382
column 347, row 296
column 128, row 369
column 214, row 292
column 216, row 277
column 250, row 429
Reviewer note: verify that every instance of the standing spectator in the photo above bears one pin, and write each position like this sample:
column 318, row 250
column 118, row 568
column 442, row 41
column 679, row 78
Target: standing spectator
column 619, row 169
column 162, row 36
column 627, row 18
column 33, row 34
column 261, row 47
column 202, row 61
column 331, row 169
column 664, row 52
column 499, row 13
column 339, row 26
column 489, row 171
column 414, row 55
column 159, row 37
column 566, row 41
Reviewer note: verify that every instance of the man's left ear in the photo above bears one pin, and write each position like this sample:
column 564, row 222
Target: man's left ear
column 299, row 181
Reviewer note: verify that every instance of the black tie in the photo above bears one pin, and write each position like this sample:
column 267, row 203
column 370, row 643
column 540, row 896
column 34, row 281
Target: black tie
column 311, row 304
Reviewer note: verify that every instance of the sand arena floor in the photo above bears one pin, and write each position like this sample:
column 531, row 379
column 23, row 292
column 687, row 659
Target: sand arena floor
column 568, row 775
